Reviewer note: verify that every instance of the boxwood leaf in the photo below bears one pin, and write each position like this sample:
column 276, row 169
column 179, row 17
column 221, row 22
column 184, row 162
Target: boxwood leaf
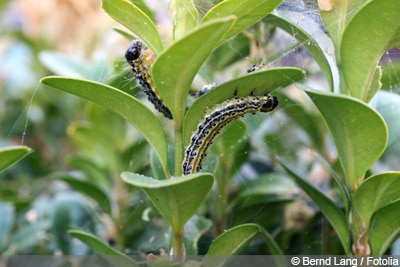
column 261, row 82
column 121, row 103
column 353, row 125
column 175, row 68
column 248, row 13
column 132, row 17
column 114, row 256
column 359, row 55
column 383, row 233
column 176, row 199
column 11, row 155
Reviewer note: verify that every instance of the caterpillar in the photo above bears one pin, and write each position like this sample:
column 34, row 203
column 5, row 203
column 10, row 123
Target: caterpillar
column 140, row 61
column 220, row 116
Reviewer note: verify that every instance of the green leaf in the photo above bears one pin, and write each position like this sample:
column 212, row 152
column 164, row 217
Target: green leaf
column 176, row 199
column 374, row 193
column 135, row 20
column 247, row 12
column 388, row 105
column 331, row 211
column 384, row 230
column 359, row 55
column 337, row 14
column 11, row 155
column 184, row 17
column 115, row 257
column 175, row 68
column 320, row 56
column 125, row 105
column 233, row 241
column 7, row 218
column 353, row 125
column 260, row 81
column 90, row 190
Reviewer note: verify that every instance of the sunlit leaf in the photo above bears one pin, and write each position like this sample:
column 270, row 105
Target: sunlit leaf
column 184, row 17
column 11, row 155
column 135, row 20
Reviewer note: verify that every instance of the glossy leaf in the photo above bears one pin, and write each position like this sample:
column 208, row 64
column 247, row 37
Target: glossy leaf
column 330, row 210
column 325, row 61
column 248, row 13
column 260, row 81
column 388, row 105
column 176, row 199
column 384, row 230
column 363, row 43
column 184, row 17
column 175, row 68
column 125, row 105
column 353, row 125
column 11, row 155
column 115, row 257
column 130, row 16
column 374, row 193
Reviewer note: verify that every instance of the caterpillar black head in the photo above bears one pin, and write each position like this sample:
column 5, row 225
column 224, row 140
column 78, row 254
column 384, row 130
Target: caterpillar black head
column 134, row 51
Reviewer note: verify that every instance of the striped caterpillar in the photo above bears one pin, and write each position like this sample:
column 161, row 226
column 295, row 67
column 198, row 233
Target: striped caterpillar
column 140, row 61
column 218, row 118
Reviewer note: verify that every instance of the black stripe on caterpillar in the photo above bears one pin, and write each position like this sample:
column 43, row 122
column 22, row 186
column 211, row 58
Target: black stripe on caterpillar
column 220, row 116
column 140, row 61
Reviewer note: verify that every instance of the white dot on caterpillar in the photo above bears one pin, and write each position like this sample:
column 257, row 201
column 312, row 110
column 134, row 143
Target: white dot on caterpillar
column 218, row 118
